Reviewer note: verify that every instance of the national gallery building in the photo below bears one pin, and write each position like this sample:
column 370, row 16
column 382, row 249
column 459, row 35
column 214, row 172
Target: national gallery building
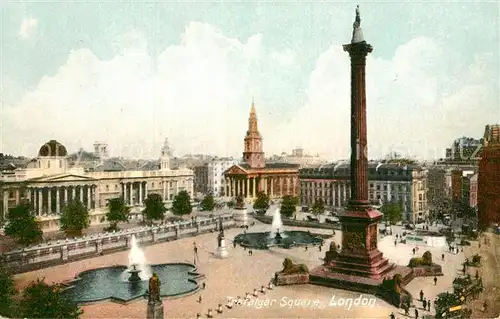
column 49, row 183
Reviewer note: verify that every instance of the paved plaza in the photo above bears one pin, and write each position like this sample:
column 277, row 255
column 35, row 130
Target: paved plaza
column 241, row 273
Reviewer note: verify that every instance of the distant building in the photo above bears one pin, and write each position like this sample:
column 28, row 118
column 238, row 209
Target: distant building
column 473, row 191
column 488, row 192
column 436, row 185
column 299, row 157
column 464, row 149
column 403, row 184
column 209, row 178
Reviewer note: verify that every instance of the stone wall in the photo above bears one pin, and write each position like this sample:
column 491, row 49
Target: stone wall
column 292, row 279
column 428, row 271
column 63, row 251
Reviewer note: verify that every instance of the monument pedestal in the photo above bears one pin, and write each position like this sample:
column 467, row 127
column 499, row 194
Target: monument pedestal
column 155, row 310
column 221, row 251
column 240, row 216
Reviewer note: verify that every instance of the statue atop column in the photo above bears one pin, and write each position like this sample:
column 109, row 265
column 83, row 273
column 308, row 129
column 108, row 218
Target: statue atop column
column 357, row 33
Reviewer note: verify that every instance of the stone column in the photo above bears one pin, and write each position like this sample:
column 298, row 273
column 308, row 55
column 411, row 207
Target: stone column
column 65, row 195
column 40, row 201
column 18, row 191
column 272, row 187
column 73, row 193
column 81, row 195
column 131, row 190
column 97, row 199
column 140, row 193
column 248, row 188
column 233, row 187
column 124, row 192
column 6, row 204
column 237, row 183
column 58, row 201
column 49, row 201
column 168, row 190
column 281, row 185
column 164, row 195
column 333, row 195
column 253, row 187
column 345, row 192
column 89, row 196
column 146, row 190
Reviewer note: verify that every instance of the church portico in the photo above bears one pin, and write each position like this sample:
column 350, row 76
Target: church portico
column 134, row 192
column 51, row 199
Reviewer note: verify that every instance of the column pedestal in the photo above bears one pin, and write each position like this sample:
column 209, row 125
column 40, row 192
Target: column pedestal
column 221, row 251
column 155, row 310
column 240, row 216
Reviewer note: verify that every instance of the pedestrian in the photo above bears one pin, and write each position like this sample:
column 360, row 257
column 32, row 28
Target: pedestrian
column 250, row 253
column 319, row 248
column 413, row 251
column 425, row 303
column 435, row 280
column 442, row 257
column 421, row 295
column 395, row 243
column 204, row 285
column 429, row 305
column 200, row 299
column 477, row 274
column 392, row 316
column 234, row 244
column 306, row 248
column 416, row 313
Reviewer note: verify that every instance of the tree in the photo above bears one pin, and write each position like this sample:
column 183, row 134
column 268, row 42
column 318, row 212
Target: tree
column 318, row 207
column 41, row 300
column 74, row 218
column 154, row 208
column 465, row 210
column 208, row 203
column 393, row 212
column 288, row 205
column 231, row 203
column 22, row 225
column 182, row 204
column 261, row 203
column 7, row 292
column 118, row 211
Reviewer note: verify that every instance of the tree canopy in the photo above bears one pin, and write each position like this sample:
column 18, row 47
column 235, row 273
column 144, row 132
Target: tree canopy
column 208, row 203
column 7, row 292
column 261, row 203
column 182, row 204
column 318, row 207
column 154, row 207
column 117, row 212
column 22, row 225
column 288, row 205
column 74, row 218
column 393, row 212
column 41, row 300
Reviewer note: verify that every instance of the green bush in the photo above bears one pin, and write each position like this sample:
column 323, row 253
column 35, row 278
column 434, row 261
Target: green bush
column 425, row 260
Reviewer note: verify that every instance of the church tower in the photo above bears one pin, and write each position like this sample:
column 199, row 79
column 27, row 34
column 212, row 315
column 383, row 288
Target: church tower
column 253, row 154
column 166, row 154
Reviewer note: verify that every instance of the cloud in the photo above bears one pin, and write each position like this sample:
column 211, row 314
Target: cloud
column 286, row 58
column 198, row 93
column 28, row 26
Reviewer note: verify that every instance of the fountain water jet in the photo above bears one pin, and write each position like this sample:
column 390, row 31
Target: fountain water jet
column 137, row 262
column 277, row 224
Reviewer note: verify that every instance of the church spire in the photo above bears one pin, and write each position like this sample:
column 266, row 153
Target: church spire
column 253, row 154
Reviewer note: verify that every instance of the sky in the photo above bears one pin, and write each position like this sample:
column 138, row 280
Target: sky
column 131, row 74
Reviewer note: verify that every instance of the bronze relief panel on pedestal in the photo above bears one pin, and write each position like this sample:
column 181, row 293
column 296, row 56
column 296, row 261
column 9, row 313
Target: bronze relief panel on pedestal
column 354, row 241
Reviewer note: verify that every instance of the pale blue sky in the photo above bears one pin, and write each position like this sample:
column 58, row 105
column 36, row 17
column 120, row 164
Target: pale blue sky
column 461, row 31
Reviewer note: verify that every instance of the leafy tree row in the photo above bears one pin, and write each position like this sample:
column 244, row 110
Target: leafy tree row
column 38, row 300
column 393, row 212
column 23, row 226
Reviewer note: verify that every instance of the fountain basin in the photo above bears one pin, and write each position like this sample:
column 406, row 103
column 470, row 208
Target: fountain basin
column 289, row 239
column 102, row 284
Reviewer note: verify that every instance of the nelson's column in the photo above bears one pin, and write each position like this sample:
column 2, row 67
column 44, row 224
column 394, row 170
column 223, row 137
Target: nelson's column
column 359, row 265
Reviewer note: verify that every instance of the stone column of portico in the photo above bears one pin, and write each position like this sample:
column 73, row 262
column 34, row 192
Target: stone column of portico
column 58, row 200
column 40, row 201
column 248, row 188
column 89, row 196
column 97, row 199
column 65, row 195
column 168, row 190
column 73, row 193
column 140, row 193
column 272, row 187
column 81, row 195
column 237, row 187
column 164, row 190
column 281, row 186
column 345, row 191
column 253, row 188
column 334, row 204
column 49, row 200
column 6, row 204
column 18, row 197
column 131, row 193
column 146, row 190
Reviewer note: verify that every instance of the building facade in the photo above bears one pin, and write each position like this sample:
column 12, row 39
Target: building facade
column 464, row 149
column 50, row 183
column 488, row 184
column 404, row 184
column 473, row 191
column 254, row 175
column 209, row 178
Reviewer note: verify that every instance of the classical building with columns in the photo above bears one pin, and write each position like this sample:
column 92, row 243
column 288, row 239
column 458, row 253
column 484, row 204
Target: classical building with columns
column 254, row 175
column 49, row 183
column 387, row 182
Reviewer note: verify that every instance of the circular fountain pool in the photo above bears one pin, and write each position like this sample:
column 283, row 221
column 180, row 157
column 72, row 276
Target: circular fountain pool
column 108, row 283
column 286, row 239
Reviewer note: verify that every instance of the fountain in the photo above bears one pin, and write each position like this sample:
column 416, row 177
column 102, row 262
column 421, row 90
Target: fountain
column 126, row 283
column 137, row 262
column 275, row 237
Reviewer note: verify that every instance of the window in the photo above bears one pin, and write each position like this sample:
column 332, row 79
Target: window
column 385, row 187
column 107, row 188
column 371, row 185
column 152, row 185
column 11, row 194
column 48, row 164
column 378, row 187
column 116, row 187
column 419, row 196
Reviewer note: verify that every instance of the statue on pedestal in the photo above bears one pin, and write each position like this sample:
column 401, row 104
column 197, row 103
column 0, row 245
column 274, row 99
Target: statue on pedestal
column 240, row 201
column 221, row 228
column 154, row 288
